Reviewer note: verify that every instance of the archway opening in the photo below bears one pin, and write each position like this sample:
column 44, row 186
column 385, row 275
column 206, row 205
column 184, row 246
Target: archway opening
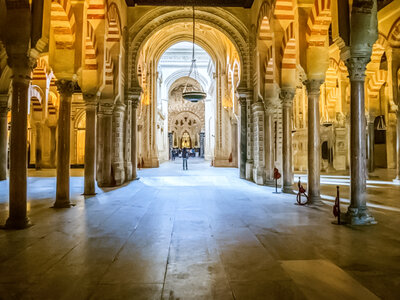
column 163, row 116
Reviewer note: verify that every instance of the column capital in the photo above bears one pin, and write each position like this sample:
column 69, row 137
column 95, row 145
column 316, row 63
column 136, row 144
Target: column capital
column 362, row 6
column 313, row 86
column 356, row 67
column 91, row 100
column 65, row 87
column 286, row 95
column 106, row 108
column 134, row 94
column 21, row 66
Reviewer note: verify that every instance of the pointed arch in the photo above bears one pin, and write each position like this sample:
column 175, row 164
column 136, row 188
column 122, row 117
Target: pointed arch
column 289, row 48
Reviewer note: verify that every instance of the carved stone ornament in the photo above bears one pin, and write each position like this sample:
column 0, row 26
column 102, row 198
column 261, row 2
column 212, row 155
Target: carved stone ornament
column 362, row 6
column 286, row 95
column 313, row 86
column 65, row 87
column 356, row 67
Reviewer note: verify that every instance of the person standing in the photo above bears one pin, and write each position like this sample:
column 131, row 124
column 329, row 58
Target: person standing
column 185, row 155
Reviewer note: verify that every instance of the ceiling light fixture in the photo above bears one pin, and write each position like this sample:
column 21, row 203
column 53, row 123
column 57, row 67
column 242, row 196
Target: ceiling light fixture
column 194, row 95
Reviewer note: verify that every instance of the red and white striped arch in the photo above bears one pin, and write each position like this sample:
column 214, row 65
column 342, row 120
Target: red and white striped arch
column 263, row 24
column 96, row 10
column 284, row 10
column 289, row 48
column 113, row 24
column 63, row 24
column 90, row 48
column 269, row 66
column 109, row 69
column 394, row 35
column 318, row 23
column 375, row 82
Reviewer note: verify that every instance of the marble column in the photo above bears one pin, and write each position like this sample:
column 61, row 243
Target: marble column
column 398, row 144
column 371, row 143
column 118, row 169
column 38, row 146
column 3, row 136
column 53, row 146
column 18, row 218
column 104, row 143
column 313, row 142
column 243, row 135
column 286, row 96
column 269, row 144
column 127, row 140
column 258, row 142
column 90, row 144
column 357, row 213
column 65, row 89
column 134, row 96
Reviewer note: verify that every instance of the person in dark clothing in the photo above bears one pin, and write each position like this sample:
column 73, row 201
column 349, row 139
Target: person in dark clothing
column 185, row 156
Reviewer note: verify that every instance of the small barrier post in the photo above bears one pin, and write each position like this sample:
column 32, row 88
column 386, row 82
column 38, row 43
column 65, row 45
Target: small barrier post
column 277, row 175
column 302, row 191
column 336, row 207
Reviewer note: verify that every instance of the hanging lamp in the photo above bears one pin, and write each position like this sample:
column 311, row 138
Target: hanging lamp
column 195, row 95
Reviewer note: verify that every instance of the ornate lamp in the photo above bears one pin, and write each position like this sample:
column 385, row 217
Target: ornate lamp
column 195, row 95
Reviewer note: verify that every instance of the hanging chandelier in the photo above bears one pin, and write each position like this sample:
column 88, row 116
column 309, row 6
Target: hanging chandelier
column 194, row 95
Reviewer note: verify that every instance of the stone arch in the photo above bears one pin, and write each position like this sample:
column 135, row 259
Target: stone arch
column 289, row 48
column 283, row 10
column 90, row 48
column 219, row 19
column 394, row 34
column 263, row 28
column 63, row 23
column 318, row 23
column 171, row 79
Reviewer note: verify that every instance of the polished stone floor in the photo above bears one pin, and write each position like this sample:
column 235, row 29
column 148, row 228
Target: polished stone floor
column 198, row 234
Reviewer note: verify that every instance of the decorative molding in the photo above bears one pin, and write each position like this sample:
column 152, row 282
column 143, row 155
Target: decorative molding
column 313, row 86
column 286, row 95
column 65, row 87
column 362, row 6
column 356, row 67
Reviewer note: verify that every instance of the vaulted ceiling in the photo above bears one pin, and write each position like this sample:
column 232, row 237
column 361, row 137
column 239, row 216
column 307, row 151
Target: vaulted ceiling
column 227, row 3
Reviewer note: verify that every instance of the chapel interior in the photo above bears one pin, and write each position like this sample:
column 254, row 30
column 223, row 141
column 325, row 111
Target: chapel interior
column 98, row 109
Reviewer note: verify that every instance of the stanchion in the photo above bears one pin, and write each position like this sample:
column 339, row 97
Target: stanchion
column 336, row 208
column 302, row 191
column 277, row 175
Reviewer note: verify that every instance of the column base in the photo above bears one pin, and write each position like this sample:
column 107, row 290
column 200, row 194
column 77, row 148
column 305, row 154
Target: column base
column 128, row 171
column 12, row 223
column 397, row 180
column 288, row 190
column 89, row 193
column 359, row 216
column 314, row 201
column 62, row 204
column 258, row 175
column 249, row 169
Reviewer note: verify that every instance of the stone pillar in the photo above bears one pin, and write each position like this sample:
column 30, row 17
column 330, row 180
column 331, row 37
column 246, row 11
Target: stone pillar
column 90, row 144
column 38, row 146
column 65, row 89
column 104, row 143
column 128, row 140
column 243, row 135
column 397, row 180
column 357, row 212
column 269, row 144
column 134, row 97
column 202, row 138
column 371, row 143
column 286, row 96
column 53, row 146
column 314, row 143
column 3, row 136
column 258, row 142
column 118, row 169
column 18, row 218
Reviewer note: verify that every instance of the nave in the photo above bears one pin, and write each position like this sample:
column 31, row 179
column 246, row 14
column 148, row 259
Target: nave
column 197, row 234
